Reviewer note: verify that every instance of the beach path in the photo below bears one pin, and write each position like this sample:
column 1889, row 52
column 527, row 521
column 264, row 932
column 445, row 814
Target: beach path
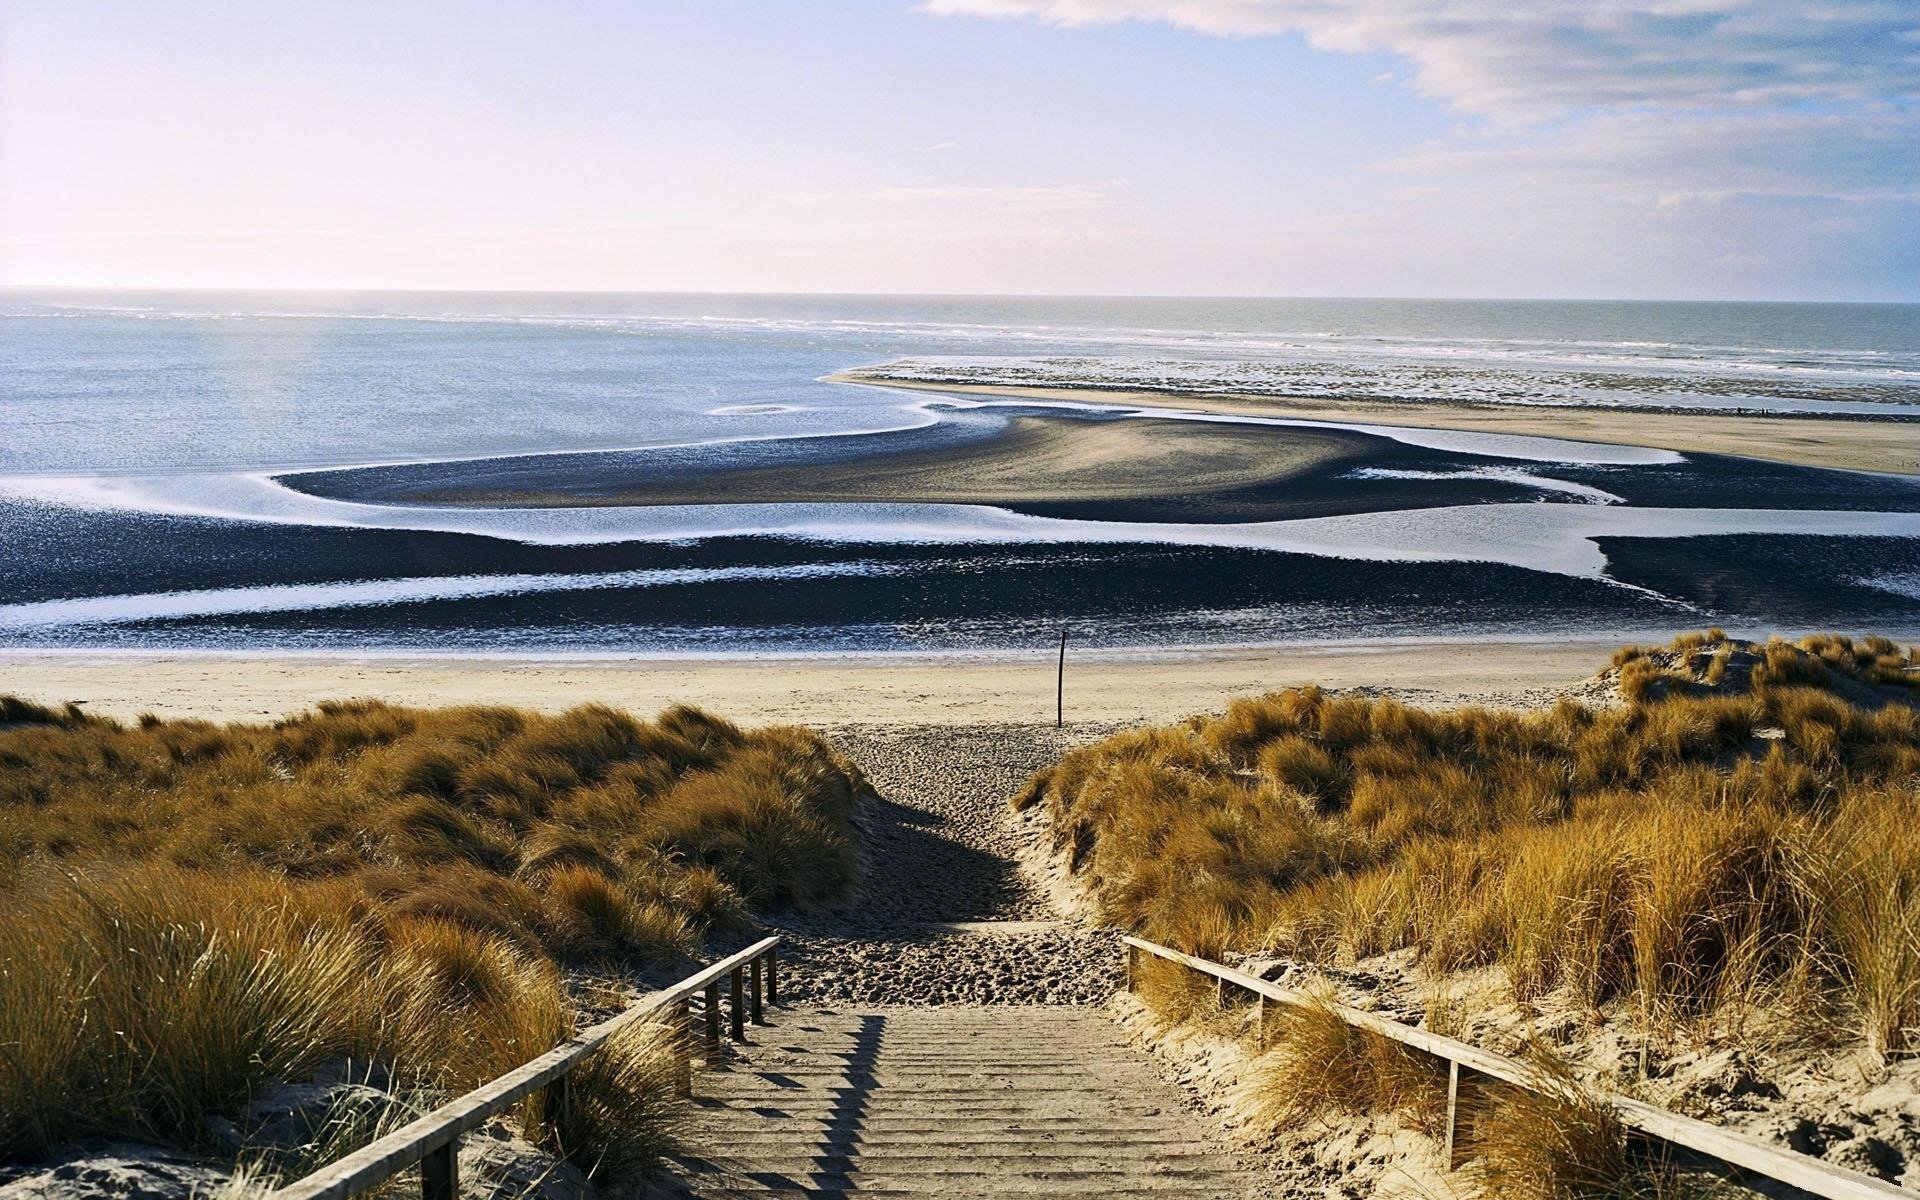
column 944, row 1034
column 959, row 1101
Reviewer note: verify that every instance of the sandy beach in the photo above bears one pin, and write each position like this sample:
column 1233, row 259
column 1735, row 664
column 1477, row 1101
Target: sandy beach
column 1855, row 445
column 1004, row 688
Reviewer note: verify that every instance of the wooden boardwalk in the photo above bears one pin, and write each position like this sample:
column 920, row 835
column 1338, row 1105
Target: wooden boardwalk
column 946, row 1101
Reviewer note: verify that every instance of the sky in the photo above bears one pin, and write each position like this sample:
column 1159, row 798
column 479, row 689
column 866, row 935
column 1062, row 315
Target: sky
column 1687, row 149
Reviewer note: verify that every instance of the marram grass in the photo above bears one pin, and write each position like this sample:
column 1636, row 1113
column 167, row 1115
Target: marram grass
column 1742, row 836
column 197, row 911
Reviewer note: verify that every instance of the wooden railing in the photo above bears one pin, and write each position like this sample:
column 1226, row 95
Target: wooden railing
column 433, row 1140
column 1711, row 1142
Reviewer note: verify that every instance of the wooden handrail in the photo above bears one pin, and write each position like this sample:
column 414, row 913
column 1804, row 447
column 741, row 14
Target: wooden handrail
column 433, row 1139
column 1711, row 1141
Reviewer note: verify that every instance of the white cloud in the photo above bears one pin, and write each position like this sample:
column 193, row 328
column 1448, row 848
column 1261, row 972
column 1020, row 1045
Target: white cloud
column 1753, row 146
column 1529, row 59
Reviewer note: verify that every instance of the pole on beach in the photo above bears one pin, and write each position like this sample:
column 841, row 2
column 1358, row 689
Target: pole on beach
column 1060, row 686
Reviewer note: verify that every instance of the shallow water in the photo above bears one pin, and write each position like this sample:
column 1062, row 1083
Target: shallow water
column 145, row 442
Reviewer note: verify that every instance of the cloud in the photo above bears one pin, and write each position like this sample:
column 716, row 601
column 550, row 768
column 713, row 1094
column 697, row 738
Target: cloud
column 1757, row 146
column 1860, row 157
column 1526, row 60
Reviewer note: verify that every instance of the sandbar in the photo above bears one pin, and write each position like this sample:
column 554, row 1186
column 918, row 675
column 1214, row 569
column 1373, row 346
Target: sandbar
column 1850, row 444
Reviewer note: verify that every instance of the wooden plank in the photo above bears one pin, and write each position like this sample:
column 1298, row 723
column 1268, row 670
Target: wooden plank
column 1486, row 1062
column 388, row 1156
column 1748, row 1154
column 1735, row 1149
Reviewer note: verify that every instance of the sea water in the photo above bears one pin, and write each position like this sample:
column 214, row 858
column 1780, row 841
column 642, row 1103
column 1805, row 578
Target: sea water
column 140, row 433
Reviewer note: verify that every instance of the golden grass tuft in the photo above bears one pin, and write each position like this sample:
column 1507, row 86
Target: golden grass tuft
column 196, row 911
column 1560, row 1140
column 622, row 1112
column 1322, row 1065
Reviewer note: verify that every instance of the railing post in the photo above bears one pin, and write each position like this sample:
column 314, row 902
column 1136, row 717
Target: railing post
column 736, row 1007
column 683, row 1049
column 560, row 1109
column 713, row 1023
column 773, row 975
column 1260, row 1025
column 1452, row 1149
column 758, row 1017
column 1133, row 967
column 440, row 1172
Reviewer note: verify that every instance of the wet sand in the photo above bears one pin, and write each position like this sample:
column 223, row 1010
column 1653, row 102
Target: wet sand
column 1214, row 472
column 1005, row 688
column 1855, row 445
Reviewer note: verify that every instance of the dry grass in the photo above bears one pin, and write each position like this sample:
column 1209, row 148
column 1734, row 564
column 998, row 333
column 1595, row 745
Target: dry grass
column 196, row 911
column 1741, row 837
column 1558, row 1140
column 622, row 1113
column 1322, row 1065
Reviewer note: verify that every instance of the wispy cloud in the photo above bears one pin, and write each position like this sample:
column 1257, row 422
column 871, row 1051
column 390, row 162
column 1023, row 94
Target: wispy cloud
column 1531, row 59
column 1621, row 113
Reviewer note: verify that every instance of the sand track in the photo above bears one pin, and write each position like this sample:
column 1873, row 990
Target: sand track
column 944, row 913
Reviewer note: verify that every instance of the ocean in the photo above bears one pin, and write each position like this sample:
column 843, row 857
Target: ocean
column 281, row 472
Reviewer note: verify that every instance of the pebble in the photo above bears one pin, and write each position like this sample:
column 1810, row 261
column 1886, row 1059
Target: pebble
column 938, row 844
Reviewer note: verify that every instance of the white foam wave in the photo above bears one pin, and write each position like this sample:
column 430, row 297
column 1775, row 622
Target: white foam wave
column 373, row 593
column 1587, row 493
column 1456, row 374
column 1905, row 584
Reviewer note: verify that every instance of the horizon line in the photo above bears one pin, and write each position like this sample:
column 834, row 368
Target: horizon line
column 294, row 289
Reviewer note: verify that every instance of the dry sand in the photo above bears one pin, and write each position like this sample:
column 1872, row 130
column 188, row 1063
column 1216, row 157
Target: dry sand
column 1857, row 445
column 1102, row 687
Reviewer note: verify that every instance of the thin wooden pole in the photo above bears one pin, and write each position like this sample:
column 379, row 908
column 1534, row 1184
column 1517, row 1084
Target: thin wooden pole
column 1451, row 1154
column 1060, row 686
column 773, row 975
column 736, row 1006
column 440, row 1172
column 713, row 1023
column 754, row 1013
column 683, row 1049
column 560, row 1109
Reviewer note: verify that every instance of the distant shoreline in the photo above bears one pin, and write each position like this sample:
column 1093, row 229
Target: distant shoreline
column 1843, row 443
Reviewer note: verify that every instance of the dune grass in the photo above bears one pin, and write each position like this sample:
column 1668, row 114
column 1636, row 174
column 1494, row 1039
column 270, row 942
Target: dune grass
column 1560, row 1140
column 197, row 911
column 1742, row 835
